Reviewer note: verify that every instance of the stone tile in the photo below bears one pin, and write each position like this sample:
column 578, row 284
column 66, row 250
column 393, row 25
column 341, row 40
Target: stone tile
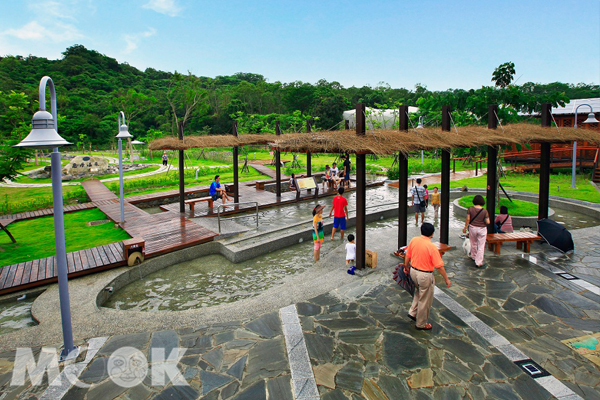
column 527, row 388
column 500, row 391
column 214, row 358
column 305, row 388
column 267, row 359
column 372, row 391
column 237, row 369
column 167, row 340
column 105, row 390
column 137, row 340
column 255, row 392
column 365, row 336
column 230, row 390
column 280, row 388
column 325, row 374
column 449, row 393
column 267, row 326
column 463, row 350
column 326, row 299
column 212, row 381
column 505, row 365
column 421, row 379
column 319, row 347
column 223, row 337
column 350, row 377
column 402, row 352
column 96, row 371
column 245, row 335
column 350, row 323
column 176, row 392
column 334, row 395
column 308, row 309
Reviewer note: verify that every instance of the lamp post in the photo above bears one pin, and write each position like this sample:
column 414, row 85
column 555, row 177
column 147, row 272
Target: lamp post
column 420, row 126
column 123, row 134
column 44, row 135
column 591, row 119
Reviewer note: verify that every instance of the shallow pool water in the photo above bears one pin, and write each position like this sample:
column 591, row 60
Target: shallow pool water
column 211, row 280
column 16, row 315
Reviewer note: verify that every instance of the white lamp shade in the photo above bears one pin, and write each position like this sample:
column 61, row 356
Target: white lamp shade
column 136, row 142
column 591, row 119
column 123, row 132
column 43, row 135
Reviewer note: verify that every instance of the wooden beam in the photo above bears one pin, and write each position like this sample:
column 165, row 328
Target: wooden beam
column 544, row 193
column 402, row 183
column 445, row 184
column 278, row 162
column 492, row 169
column 236, row 169
column 181, row 172
column 361, row 190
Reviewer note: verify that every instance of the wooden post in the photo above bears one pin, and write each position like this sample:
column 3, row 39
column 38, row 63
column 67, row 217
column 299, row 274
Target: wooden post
column 544, row 194
column 445, row 184
column 278, row 162
column 308, row 156
column 181, row 173
column 402, row 183
column 492, row 170
column 361, row 183
column 236, row 169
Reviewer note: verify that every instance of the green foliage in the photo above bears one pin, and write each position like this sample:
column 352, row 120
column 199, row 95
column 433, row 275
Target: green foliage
column 516, row 208
column 504, row 74
column 35, row 237
column 12, row 205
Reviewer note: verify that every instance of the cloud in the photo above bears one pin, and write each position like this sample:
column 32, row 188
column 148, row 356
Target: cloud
column 58, row 32
column 133, row 40
column 167, row 7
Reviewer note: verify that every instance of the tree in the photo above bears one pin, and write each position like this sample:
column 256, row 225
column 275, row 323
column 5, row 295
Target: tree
column 13, row 108
column 184, row 96
column 504, row 74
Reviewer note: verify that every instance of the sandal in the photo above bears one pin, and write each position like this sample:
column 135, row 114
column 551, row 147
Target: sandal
column 427, row 327
column 396, row 254
column 411, row 317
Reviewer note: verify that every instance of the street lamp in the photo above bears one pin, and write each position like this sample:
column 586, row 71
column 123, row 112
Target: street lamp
column 420, row 126
column 591, row 119
column 44, row 135
column 123, row 134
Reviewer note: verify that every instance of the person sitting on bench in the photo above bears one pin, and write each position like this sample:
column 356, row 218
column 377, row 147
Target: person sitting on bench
column 503, row 221
column 217, row 192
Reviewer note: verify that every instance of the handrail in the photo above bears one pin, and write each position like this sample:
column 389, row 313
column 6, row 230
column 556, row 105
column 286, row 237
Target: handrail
column 245, row 202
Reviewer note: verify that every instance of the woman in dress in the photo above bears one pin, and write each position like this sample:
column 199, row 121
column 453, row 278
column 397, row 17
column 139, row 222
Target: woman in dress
column 477, row 222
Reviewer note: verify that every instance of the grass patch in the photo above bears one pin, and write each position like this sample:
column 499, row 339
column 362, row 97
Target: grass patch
column 560, row 185
column 518, row 208
column 15, row 199
column 35, row 237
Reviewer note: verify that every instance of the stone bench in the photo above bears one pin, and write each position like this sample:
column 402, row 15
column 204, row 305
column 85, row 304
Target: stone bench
column 495, row 240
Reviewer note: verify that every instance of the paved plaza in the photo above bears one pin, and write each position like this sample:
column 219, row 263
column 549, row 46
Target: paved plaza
column 355, row 341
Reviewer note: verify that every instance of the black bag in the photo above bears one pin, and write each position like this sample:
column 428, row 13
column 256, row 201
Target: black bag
column 403, row 279
column 499, row 225
column 422, row 203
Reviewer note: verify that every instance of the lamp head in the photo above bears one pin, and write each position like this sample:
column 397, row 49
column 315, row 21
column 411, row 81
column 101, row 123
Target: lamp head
column 591, row 119
column 123, row 132
column 420, row 125
column 43, row 134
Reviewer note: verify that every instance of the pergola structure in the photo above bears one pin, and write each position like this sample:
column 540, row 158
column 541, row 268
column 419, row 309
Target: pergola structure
column 403, row 141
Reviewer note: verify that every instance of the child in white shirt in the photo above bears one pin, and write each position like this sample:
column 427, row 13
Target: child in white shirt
column 350, row 250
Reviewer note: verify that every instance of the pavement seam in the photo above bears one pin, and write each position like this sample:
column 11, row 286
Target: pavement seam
column 303, row 380
column 70, row 373
column 550, row 383
column 583, row 284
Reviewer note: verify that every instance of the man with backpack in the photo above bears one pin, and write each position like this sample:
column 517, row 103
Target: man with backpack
column 418, row 200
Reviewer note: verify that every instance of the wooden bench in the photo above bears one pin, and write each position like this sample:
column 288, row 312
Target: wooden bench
column 442, row 248
column 495, row 240
column 3, row 224
column 192, row 202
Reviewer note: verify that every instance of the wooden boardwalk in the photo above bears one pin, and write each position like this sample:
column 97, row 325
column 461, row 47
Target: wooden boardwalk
column 162, row 233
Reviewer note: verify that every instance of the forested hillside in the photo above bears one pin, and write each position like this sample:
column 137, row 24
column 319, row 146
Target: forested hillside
column 92, row 88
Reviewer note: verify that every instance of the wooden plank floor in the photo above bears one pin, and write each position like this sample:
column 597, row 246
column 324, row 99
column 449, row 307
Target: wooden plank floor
column 163, row 233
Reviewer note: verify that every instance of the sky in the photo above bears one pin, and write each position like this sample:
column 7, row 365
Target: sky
column 438, row 44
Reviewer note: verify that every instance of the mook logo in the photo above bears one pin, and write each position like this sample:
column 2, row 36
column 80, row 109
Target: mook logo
column 126, row 367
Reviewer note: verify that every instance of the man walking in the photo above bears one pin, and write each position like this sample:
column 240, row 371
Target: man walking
column 418, row 194
column 422, row 257
column 340, row 213
column 347, row 169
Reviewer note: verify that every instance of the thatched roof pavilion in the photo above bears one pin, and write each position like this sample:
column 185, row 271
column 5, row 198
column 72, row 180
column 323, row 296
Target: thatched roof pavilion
column 383, row 142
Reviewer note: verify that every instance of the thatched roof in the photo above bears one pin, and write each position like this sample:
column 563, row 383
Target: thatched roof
column 198, row 142
column 387, row 141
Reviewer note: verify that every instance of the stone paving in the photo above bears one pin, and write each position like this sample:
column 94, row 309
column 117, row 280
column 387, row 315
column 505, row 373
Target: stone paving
column 362, row 345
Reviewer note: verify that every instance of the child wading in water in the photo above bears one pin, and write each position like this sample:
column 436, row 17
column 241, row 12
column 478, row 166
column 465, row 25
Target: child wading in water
column 318, row 234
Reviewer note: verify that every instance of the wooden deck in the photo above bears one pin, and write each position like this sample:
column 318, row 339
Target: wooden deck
column 162, row 233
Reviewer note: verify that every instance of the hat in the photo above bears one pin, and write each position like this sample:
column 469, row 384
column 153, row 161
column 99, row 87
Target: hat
column 319, row 208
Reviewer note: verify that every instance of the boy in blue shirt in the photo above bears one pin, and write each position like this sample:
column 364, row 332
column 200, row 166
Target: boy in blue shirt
column 216, row 192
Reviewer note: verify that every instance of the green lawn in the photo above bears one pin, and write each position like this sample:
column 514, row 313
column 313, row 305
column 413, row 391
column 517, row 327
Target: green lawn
column 560, row 185
column 27, row 179
column 35, row 237
column 15, row 199
column 517, row 208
